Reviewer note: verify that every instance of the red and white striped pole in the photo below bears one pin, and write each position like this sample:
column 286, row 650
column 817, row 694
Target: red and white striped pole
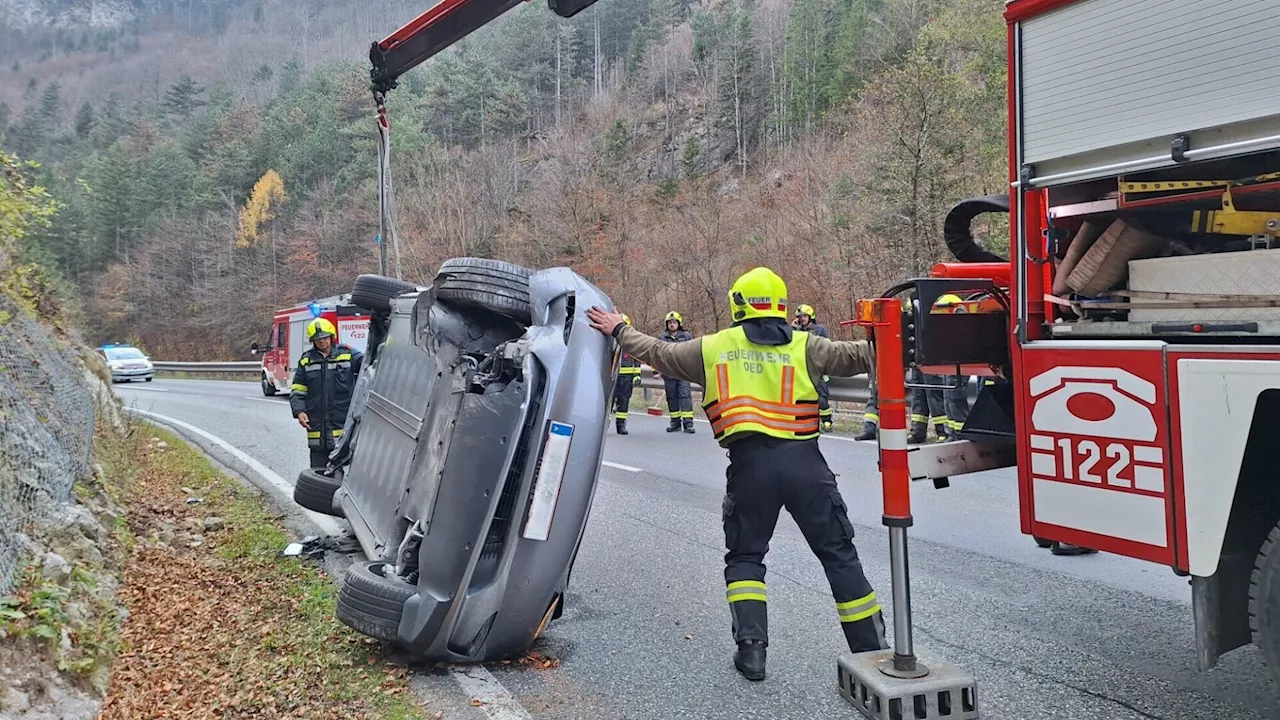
column 882, row 318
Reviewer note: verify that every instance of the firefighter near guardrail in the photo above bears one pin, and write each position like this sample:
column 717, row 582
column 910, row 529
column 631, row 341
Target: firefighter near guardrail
column 885, row 685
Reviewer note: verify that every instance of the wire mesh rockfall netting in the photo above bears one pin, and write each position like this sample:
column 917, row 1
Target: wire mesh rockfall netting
column 46, row 429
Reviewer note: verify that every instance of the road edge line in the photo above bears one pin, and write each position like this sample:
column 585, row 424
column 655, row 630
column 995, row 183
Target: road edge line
column 494, row 699
column 248, row 466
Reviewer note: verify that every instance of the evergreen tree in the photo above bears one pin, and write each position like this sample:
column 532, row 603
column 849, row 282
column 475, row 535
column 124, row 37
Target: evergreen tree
column 84, row 120
column 183, row 97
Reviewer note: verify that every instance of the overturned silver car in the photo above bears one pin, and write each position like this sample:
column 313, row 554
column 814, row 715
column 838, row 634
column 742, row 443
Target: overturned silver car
column 470, row 459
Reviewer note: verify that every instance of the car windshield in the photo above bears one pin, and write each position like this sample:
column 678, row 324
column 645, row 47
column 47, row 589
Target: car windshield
column 126, row 353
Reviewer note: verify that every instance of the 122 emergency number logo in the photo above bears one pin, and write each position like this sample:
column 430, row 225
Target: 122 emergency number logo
column 1095, row 426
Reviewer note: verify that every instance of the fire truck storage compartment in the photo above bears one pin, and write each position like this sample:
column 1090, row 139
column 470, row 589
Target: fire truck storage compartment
column 1113, row 86
column 1191, row 250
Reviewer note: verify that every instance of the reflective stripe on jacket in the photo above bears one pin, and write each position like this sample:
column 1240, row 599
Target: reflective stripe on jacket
column 758, row 388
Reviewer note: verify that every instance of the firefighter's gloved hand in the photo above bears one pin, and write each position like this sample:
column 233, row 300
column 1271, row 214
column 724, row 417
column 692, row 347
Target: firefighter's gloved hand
column 636, row 380
column 304, row 421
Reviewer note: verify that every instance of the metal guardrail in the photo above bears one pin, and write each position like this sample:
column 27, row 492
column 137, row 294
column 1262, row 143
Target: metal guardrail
column 850, row 389
column 206, row 367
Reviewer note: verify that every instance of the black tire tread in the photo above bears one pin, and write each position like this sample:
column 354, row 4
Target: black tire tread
column 370, row 603
column 486, row 266
column 374, row 292
column 314, row 491
column 493, row 285
column 1264, row 601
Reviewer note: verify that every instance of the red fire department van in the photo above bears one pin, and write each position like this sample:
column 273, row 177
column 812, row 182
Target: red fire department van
column 288, row 338
column 1133, row 336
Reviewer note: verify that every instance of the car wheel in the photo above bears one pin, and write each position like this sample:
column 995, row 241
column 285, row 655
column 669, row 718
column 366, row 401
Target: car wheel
column 375, row 292
column 1041, row 542
column 268, row 387
column 314, row 491
column 1264, row 601
column 149, row 379
column 371, row 600
column 493, row 285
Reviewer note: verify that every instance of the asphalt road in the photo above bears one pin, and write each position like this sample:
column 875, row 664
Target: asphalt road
column 646, row 631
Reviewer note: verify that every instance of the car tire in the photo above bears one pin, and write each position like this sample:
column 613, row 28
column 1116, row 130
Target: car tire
column 375, row 292
column 371, row 602
column 148, row 379
column 498, row 287
column 268, row 387
column 1042, row 543
column 1264, row 601
column 314, row 491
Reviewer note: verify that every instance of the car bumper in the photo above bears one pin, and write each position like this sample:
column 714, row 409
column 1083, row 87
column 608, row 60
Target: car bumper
column 139, row 374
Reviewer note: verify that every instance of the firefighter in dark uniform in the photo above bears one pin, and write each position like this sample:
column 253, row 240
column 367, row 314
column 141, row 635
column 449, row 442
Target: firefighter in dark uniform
column 918, row 401
column 806, row 321
column 628, row 379
column 322, row 387
column 761, row 397
column 949, row 405
column 679, row 396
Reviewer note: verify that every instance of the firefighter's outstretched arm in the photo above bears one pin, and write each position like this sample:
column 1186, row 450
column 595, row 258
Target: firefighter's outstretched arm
column 840, row 358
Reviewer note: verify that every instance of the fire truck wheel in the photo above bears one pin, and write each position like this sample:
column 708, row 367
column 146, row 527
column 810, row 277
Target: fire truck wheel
column 314, row 491
column 268, row 387
column 492, row 285
column 1264, row 601
column 375, row 292
column 371, row 600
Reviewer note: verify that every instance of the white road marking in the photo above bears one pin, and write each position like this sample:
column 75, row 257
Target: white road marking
column 482, row 687
column 284, row 489
column 148, row 389
column 273, row 402
column 620, row 466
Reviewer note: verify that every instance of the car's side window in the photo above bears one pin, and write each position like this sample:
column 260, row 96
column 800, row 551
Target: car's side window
column 281, row 335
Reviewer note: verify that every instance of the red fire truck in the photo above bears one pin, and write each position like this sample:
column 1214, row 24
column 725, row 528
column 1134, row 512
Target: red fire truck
column 1130, row 343
column 288, row 337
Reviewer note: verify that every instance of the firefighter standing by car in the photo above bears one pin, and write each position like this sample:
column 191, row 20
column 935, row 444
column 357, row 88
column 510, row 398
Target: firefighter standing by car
column 805, row 320
column 761, row 397
column 628, row 378
column 322, row 387
column 679, row 394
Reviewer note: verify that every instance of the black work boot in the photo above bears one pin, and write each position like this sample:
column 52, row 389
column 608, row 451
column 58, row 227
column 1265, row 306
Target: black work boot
column 749, row 659
column 622, row 427
column 675, row 425
column 868, row 432
column 919, row 433
column 688, row 426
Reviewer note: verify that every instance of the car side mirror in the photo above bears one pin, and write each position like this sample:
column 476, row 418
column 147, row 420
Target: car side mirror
column 253, row 349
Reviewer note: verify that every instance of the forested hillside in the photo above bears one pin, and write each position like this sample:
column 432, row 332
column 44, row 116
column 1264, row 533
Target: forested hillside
column 215, row 159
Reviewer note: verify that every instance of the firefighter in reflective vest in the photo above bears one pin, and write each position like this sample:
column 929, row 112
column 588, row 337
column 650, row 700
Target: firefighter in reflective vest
column 628, row 379
column 806, row 321
column 679, row 396
column 321, row 390
column 761, row 397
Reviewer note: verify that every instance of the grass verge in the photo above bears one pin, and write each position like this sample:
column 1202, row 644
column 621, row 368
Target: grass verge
column 220, row 625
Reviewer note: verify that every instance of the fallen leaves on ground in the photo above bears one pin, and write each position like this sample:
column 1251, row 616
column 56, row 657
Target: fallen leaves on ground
column 538, row 661
column 229, row 629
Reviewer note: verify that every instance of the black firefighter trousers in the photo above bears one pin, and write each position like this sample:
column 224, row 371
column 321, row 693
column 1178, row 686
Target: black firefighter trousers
column 623, row 387
column 765, row 475
column 679, row 399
